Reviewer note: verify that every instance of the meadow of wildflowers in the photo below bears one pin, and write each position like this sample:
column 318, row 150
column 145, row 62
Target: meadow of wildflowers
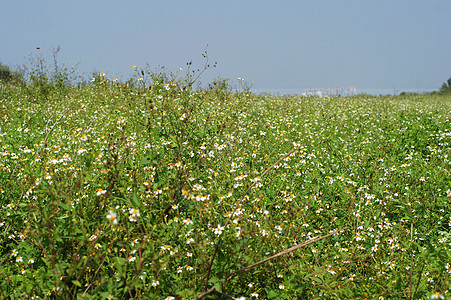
column 152, row 189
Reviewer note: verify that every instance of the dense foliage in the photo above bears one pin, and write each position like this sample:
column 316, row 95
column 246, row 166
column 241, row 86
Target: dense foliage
column 122, row 190
column 446, row 87
column 6, row 74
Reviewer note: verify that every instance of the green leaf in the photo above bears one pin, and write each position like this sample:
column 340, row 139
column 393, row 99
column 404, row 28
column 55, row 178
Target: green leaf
column 76, row 282
column 64, row 206
column 213, row 280
column 269, row 192
column 137, row 285
column 217, row 283
column 273, row 295
column 317, row 279
column 145, row 161
column 218, row 286
column 22, row 205
column 119, row 262
column 135, row 201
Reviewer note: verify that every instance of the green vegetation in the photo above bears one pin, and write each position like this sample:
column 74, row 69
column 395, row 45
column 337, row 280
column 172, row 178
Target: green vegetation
column 6, row 74
column 446, row 87
column 151, row 189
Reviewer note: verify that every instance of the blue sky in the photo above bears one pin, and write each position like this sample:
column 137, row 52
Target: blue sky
column 274, row 44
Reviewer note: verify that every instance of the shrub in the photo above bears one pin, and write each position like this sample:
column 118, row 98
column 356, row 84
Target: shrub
column 446, row 87
column 6, row 74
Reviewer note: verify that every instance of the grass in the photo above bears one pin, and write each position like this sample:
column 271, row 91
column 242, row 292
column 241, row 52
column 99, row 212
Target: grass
column 150, row 189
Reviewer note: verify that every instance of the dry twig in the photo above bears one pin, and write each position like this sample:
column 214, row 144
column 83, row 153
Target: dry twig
column 245, row 269
column 234, row 210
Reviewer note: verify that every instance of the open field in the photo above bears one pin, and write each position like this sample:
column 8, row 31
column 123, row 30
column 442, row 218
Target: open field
column 116, row 191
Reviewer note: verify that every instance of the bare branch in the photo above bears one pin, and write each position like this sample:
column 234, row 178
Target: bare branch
column 281, row 253
column 234, row 210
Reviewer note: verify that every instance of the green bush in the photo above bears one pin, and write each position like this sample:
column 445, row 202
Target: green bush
column 6, row 74
column 446, row 87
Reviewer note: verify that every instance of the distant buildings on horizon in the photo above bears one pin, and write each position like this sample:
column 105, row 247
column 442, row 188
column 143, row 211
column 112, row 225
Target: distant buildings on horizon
column 326, row 92
column 339, row 91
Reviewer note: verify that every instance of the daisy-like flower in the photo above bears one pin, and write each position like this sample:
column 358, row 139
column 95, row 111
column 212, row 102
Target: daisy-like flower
column 254, row 294
column 219, row 229
column 112, row 217
column 134, row 214
column 134, row 211
column 437, row 295
column 155, row 282
column 100, row 192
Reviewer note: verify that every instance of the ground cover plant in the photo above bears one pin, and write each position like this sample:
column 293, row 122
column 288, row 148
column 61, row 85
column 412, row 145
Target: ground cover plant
column 153, row 189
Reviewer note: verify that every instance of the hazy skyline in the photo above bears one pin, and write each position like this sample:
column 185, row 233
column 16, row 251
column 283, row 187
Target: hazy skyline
column 274, row 44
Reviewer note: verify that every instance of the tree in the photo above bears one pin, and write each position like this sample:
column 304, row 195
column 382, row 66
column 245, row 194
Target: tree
column 446, row 86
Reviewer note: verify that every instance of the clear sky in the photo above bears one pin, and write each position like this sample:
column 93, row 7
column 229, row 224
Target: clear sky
column 274, row 44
